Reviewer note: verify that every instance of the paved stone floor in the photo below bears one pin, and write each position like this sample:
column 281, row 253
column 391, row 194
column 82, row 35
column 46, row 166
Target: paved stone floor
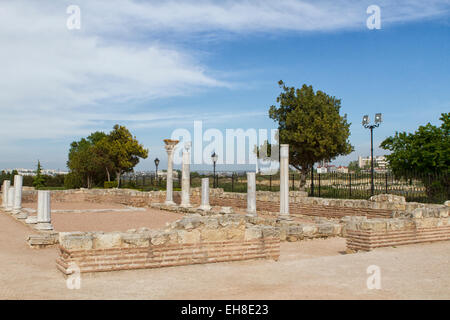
column 315, row 269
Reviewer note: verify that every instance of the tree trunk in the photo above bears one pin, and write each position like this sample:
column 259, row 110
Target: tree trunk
column 118, row 178
column 304, row 169
column 303, row 174
column 108, row 175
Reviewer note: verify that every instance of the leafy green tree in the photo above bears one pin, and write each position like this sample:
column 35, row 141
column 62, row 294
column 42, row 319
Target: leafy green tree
column 83, row 160
column 426, row 152
column 103, row 156
column 72, row 180
column 124, row 150
column 354, row 166
column 39, row 180
column 311, row 124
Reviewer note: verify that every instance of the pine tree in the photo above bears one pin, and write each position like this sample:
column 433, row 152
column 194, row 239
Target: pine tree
column 39, row 180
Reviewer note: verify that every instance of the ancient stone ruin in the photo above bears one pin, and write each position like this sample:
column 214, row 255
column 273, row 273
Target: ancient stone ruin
column 220, row 226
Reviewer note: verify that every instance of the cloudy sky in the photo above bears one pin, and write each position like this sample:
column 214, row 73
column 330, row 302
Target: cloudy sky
column 156, row 66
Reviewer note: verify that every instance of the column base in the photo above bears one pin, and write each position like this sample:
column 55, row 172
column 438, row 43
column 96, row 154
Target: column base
column 285, row 217
column 185, row 205
column 251, row 214
column 31, row 220
column 205, row 207
column 170, row 203
column 20, row 214
column 44, row 226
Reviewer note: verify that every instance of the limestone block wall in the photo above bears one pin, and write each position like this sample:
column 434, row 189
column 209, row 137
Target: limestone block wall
column 300, row 203
column 191, row 240
column 380, row 206
column 367, row 234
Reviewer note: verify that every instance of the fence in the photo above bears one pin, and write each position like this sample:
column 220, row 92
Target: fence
column 428, row 188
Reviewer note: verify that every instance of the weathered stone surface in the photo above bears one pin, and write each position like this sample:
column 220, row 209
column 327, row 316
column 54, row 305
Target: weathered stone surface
column 213, row 234
column 107, row 240
column 135, row 240
column 387, row 198
column 42, row 240
column 309, row 230
column 159, row 237
column 192, row 236
column 226, row 210
column 253, row 233
column 236, row 233
column 76, row 240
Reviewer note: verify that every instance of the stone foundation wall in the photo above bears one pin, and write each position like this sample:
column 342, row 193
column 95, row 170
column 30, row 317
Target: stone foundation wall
column 191, row 240
column 380, row 206
column 167, row 255
column 366, row 235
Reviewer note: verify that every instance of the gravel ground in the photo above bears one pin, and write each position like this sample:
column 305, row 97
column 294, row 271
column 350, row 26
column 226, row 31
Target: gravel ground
column 106, row 221
column 314, row 269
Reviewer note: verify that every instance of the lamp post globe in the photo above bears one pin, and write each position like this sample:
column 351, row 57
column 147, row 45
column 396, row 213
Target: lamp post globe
column 156, row 166
column 214, row 158
column 365, row 123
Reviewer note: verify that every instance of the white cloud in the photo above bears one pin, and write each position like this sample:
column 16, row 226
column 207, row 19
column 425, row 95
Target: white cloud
column 253, row 15
column 59, row 83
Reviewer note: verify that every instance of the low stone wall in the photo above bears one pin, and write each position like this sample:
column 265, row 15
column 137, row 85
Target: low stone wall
column 366, row 235
column 380, row 206
column 191, row 240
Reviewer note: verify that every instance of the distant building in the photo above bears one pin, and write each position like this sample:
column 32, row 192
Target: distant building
column 342, row 169
column 322, row 169
column 379, row 161
column 331, row 168
column 32, row 172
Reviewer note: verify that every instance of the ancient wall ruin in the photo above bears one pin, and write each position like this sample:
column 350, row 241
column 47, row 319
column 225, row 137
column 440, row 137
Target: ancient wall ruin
column 191, row 240
column 382, row 206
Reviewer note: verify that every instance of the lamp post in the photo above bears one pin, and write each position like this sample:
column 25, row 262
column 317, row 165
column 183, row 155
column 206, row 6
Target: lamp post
column 156, row 174
column 366, row 125
column 214, row 158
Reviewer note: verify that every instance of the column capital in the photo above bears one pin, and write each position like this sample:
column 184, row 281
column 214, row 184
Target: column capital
column 170, row 145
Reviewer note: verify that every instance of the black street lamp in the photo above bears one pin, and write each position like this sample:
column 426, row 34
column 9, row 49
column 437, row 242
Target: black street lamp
column 156, row 165
column 366, row 125
column 214, row 158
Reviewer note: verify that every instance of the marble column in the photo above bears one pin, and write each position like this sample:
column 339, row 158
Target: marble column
column 33, row 219
column 5, row 187
column 284, row 181
column 186, row 177
column 10, row 204
column 251, row 194
column 205, row 195
column 18, row 182
column 170, row 147
column 44, row 221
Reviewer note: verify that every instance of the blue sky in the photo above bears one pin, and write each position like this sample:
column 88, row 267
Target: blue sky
column 158, row 66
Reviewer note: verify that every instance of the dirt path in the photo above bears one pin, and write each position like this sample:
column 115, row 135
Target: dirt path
column 306, row 270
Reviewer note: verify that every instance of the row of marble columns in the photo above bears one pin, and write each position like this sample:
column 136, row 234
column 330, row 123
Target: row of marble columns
column 251, row 181
column 12, row 202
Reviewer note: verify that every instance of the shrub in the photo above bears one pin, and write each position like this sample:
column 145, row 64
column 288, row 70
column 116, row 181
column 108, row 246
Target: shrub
column 110, row 184
column 73, row 181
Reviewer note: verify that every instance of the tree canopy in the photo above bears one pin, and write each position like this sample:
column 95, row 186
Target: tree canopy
column 99, row 156
column 311, row 124
column 424, row 154
column 426, row 151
